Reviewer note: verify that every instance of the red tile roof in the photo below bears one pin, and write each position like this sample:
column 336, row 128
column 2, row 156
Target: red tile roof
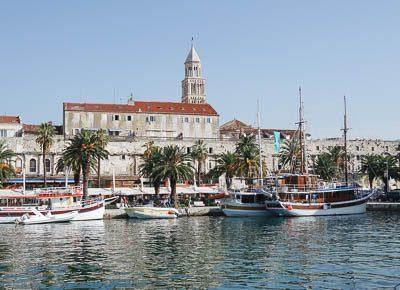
column 10, row 119
column 32, row 129
column 145, row 107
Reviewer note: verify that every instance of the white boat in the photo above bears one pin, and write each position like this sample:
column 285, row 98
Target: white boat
column 245, row 204
column 36, row 217
column 56, row 200
column 148, row 212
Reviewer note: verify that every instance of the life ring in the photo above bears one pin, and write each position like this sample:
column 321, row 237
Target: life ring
column 290, row 207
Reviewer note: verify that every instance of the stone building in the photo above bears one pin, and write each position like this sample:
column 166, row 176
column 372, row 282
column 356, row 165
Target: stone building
column 193, row 118
column 10, row 126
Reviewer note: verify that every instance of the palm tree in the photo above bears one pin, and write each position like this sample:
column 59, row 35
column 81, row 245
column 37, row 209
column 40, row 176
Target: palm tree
column 45, row 139
column 248, row 152
column 102, row 140
column 325, row 166
column 199, row 154
column 337, row 156
column 84, row 150
column 387, row 168
column 174, row 165
column 6, row 170
column 290, row 154
column 369, row 166
column 75, row 167
column 149, row 147
column 150, row 161
column 226, row 163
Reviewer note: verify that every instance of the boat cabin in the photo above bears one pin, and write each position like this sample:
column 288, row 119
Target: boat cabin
column 309, row 189
column 249, row 197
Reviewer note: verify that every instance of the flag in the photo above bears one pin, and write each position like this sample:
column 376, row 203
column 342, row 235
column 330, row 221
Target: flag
column 277, row 144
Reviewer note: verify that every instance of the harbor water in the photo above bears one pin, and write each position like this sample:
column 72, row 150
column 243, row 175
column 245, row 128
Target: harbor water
column 343, row 252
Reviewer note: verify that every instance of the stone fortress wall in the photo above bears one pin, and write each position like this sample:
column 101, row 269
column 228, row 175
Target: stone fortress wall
column 125, row 155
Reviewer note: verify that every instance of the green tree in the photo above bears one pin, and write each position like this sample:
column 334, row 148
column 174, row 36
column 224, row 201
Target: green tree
column 199, row 155
column 45, row 139
column 73, row 165
column 102, row 140
column 6, row 170
column 325, row 166
column 226, row 163
column 387, row 168
column 150, row 161
column 84, row 149
column 247, row 151
column 174, row 165
column 290, row 154
column 369, row 167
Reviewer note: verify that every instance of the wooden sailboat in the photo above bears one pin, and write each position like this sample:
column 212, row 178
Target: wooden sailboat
column 305, row 195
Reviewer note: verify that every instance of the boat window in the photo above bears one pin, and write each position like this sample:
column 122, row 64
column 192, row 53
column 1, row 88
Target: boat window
column 260, row 198
column 248, row 198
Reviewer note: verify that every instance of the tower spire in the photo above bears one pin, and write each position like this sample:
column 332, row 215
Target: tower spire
column 193, row 86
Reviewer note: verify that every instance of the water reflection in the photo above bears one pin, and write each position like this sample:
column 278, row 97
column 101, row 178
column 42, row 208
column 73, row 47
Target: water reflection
column 224, row 253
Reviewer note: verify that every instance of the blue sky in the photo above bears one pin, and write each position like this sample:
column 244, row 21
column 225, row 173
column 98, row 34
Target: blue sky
column 84, row 51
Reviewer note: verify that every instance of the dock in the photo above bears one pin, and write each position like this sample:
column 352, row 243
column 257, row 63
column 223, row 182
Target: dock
column 383, row 206
column 187, row 211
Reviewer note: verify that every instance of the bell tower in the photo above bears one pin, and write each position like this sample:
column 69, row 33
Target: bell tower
column 193, row 86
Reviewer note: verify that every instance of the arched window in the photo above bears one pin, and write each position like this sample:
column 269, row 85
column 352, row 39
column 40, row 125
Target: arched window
column 18, row 163
column 32, row 165
column 47, row 165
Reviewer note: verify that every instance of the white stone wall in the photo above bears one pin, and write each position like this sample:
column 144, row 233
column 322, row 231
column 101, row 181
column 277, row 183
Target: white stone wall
column 10, row 129
column 125, row 156
column 144, row 124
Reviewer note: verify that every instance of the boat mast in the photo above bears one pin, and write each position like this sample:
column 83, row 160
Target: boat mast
column 302, row 137
column 259, row 143
column 345, row 130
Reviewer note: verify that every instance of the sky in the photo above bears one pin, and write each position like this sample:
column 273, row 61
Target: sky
column 102, row 51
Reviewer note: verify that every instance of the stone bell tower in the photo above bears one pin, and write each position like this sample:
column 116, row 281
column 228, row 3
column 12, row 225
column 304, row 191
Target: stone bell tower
column 193, row 86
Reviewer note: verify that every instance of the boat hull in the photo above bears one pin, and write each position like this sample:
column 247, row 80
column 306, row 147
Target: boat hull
column 237, row 209
column 46, row 219
column 93, row 211
column 340, row 208
column 151, row 213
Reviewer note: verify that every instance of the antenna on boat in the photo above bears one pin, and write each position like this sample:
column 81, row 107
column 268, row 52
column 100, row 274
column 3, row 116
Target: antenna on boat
column 345, row 130
column 259, row 142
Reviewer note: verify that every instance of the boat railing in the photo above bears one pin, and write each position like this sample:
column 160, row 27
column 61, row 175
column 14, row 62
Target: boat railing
column 295, row 188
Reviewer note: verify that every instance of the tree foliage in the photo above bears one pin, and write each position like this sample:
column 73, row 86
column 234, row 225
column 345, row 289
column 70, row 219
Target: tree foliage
column 174, row 165
column 83, row 151
column 199, row 154
column 45, row 139
column 6, row 169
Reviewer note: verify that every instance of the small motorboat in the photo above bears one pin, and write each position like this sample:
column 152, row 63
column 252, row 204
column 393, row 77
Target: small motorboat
column 148, row 212
column 36, row 217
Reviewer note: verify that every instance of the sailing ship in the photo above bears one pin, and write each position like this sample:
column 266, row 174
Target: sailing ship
column 56, row 200
column 304, row 195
